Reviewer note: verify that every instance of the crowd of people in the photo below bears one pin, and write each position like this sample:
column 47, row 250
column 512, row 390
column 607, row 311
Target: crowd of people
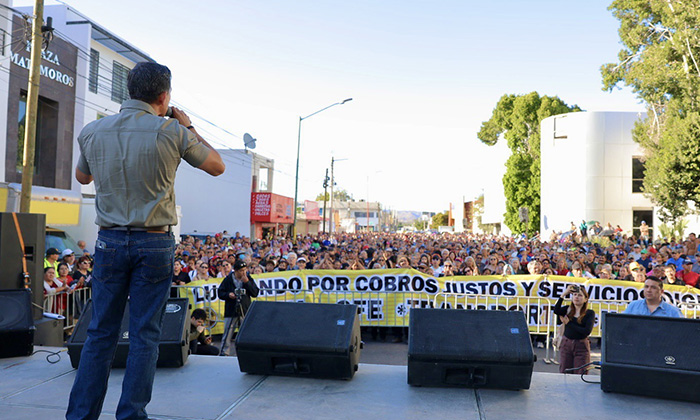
column 617, row 256
column 577, row 253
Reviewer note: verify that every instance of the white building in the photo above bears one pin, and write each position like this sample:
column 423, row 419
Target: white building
column 214, row 204
column 592, row 170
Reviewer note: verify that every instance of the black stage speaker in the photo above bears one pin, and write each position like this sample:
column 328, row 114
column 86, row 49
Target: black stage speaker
column 32, row 228
column 49, row 332
column 16, row 323
column 469, row 348
column 300, row 339
column 174, row 336
column 652, row 356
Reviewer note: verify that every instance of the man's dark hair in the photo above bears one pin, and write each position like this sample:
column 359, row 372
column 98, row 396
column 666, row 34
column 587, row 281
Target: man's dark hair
column 146, row 81
column 199, row 313
column 657, row 280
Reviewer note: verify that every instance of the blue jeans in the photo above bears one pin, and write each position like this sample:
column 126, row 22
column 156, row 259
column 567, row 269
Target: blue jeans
column 137, row 266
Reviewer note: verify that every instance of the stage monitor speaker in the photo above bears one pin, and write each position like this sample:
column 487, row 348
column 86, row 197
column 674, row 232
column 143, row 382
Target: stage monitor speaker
column 469, row 348
column 33, row 231
column 300, row 339
column 173, row 348
column 16, row 323
column 652, row 356
column 49, row 332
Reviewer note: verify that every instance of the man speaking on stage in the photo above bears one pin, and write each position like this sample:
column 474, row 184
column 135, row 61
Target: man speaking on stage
column 132, row 157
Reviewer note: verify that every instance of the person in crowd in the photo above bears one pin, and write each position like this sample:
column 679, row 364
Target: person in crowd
column 193, row 267
column 202, row 272
column 82, row 248
column 68, row 257
column 180, row 278
column 578, row 270
column 670, row 276
column 534, row 267
column 55, row 290
column 638, row 272
column 645, row 260
column 292, row 261
column 64, row 274
column 236, row 290
column 226, row 269
column 676, row 259
column 282, row 265
column 270, row 265
column 83, row 271
column 470, row 263
column 636, row 253
column 448, row 269
column 578, row 320
column 605, row 272
column 51, row 260
column 687, row 275
column 200, row 343
column 436, row 264
column 652, row 303
column 644, row 233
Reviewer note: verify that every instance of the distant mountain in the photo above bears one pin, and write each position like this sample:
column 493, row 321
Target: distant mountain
column 408, row 216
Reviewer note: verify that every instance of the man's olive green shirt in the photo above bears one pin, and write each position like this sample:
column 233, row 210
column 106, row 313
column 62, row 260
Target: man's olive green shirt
column 133, row 157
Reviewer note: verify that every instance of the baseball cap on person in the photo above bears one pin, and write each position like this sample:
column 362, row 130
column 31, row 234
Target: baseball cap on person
column 239, row 264
column 687, row 262
column 635, row 266
column 66, row 252
column 52, row 251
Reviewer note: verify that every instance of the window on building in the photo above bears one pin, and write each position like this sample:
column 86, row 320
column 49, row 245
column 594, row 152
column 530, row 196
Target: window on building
column 22, row 118
column 262, row 180
column 119, row 91
column 561, row 127
column 46, row 127
column 642, row 215
column 94, row 70
column 3, row 39
column 638, row 168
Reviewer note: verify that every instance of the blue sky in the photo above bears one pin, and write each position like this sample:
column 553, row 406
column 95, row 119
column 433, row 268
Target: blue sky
column 423, row 77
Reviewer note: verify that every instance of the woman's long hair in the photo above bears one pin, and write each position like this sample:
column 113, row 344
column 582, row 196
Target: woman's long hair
column 584, row 307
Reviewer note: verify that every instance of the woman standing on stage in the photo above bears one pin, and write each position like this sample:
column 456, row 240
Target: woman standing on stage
column 578, row 320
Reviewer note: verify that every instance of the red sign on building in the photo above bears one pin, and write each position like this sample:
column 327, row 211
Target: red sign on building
column 311, row 210
column 271, row 208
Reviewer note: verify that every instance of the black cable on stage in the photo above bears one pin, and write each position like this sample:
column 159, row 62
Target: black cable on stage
column 51, row 354
column 597, row 366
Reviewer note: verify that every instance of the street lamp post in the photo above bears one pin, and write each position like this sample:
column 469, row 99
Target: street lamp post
column 296, row 178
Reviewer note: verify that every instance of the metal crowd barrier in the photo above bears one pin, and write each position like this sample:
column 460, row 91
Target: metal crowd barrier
column 380, row 309
column 538, row 312
column 690, row 310
column 70, row 304
column 202, row 295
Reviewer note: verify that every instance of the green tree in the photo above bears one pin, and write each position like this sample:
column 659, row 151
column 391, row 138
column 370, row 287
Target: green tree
column 440, row 219
column 517, row 118
column 420, row 224
column 340, row 195
column 660, row 61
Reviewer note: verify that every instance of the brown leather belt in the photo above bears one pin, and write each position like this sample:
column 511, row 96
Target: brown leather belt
column 154, row 229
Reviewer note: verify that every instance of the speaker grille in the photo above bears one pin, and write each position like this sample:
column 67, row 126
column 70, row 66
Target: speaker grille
column 660, row 342
column 15, row 314
column 488, row 336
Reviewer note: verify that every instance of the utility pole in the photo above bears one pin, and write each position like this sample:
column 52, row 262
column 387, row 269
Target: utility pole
column 325, row 199
column 330, row 223
column 32, row 105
